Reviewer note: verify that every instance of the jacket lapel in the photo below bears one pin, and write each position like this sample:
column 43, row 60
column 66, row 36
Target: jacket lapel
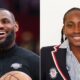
column 59, row 58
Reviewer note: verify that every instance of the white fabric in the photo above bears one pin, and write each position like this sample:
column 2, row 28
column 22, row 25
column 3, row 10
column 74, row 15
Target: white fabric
column 72, row 64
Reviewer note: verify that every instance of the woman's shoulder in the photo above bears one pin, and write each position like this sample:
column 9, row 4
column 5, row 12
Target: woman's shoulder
column 49, row 48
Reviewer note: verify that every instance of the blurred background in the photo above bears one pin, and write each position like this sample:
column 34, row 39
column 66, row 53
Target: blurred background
column 27, row 14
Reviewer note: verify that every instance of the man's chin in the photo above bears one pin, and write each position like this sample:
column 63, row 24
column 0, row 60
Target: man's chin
column 2, row 41
column 6, row 42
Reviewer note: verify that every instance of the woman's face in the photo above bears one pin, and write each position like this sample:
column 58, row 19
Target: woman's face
column 72, row 27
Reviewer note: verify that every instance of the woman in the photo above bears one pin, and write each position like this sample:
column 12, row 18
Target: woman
column 62, row 62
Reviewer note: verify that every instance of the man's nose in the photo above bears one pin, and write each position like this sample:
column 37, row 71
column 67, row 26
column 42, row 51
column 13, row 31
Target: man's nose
column 1, row 26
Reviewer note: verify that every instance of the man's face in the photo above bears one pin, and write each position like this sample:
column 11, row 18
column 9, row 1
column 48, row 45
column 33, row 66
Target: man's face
column 7, row 26
column 72, row 27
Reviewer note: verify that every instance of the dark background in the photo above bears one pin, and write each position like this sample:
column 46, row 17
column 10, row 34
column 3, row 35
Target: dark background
column 27, row 14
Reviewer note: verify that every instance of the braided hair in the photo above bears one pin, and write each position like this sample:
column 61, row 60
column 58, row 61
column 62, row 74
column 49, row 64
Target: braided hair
column 64, row 19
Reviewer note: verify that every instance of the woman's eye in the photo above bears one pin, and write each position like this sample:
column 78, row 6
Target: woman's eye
column 69, row 25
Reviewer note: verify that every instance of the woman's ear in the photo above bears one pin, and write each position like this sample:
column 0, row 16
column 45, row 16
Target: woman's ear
column 16, row 27
column 64, row 35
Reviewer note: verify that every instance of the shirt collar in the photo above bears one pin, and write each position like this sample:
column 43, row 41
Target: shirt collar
column 65, row 44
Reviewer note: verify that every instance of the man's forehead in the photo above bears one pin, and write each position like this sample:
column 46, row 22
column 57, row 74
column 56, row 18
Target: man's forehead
column 5, row 13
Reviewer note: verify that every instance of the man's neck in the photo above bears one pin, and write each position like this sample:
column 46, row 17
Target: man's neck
column 8, row 47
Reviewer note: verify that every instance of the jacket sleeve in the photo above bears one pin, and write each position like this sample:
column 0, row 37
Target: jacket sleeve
column 43, row 64
column 46, row 62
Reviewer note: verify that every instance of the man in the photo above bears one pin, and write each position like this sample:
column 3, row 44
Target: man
column 62, row 62
column 15, row 61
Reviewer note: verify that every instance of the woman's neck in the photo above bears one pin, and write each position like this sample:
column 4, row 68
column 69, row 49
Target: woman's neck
column 76, row 51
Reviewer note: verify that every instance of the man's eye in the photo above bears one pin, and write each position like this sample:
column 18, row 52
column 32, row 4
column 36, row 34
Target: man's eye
column 5, row 21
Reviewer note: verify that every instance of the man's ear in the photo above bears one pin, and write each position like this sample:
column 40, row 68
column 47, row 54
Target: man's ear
column 16, row 27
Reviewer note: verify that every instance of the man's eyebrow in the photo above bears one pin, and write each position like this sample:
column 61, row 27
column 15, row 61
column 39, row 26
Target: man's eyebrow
column 5, row 19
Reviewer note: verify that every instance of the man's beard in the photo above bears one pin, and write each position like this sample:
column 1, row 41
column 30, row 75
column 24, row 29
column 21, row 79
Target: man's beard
column 9, row 40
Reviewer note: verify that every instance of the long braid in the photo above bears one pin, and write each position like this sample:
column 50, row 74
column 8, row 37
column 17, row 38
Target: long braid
column 62, row 40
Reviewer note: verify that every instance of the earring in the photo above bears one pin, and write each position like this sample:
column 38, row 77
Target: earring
column 64, row 37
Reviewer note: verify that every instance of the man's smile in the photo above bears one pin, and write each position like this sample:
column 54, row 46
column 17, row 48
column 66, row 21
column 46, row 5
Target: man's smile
column 2, row 34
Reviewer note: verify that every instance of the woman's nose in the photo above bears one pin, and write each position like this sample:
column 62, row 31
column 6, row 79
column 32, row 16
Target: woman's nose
column 77, row 29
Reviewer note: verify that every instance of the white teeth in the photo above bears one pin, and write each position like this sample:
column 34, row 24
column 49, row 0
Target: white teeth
column 2, row 32
column 77, row 38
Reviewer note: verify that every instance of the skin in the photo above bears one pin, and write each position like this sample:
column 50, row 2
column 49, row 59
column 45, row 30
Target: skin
column 72, row 31
column 7, row 25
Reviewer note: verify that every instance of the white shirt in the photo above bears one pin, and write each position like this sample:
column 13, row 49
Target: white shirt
column 73, row 65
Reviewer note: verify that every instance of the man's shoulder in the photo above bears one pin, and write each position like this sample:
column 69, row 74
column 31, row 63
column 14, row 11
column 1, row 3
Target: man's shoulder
column 25, row 53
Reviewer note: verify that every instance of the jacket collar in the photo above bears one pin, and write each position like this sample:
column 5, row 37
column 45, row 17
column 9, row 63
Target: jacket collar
column 59, row 58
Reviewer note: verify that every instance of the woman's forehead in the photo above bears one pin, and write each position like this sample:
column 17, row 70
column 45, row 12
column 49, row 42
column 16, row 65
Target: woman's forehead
column 74, row 12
